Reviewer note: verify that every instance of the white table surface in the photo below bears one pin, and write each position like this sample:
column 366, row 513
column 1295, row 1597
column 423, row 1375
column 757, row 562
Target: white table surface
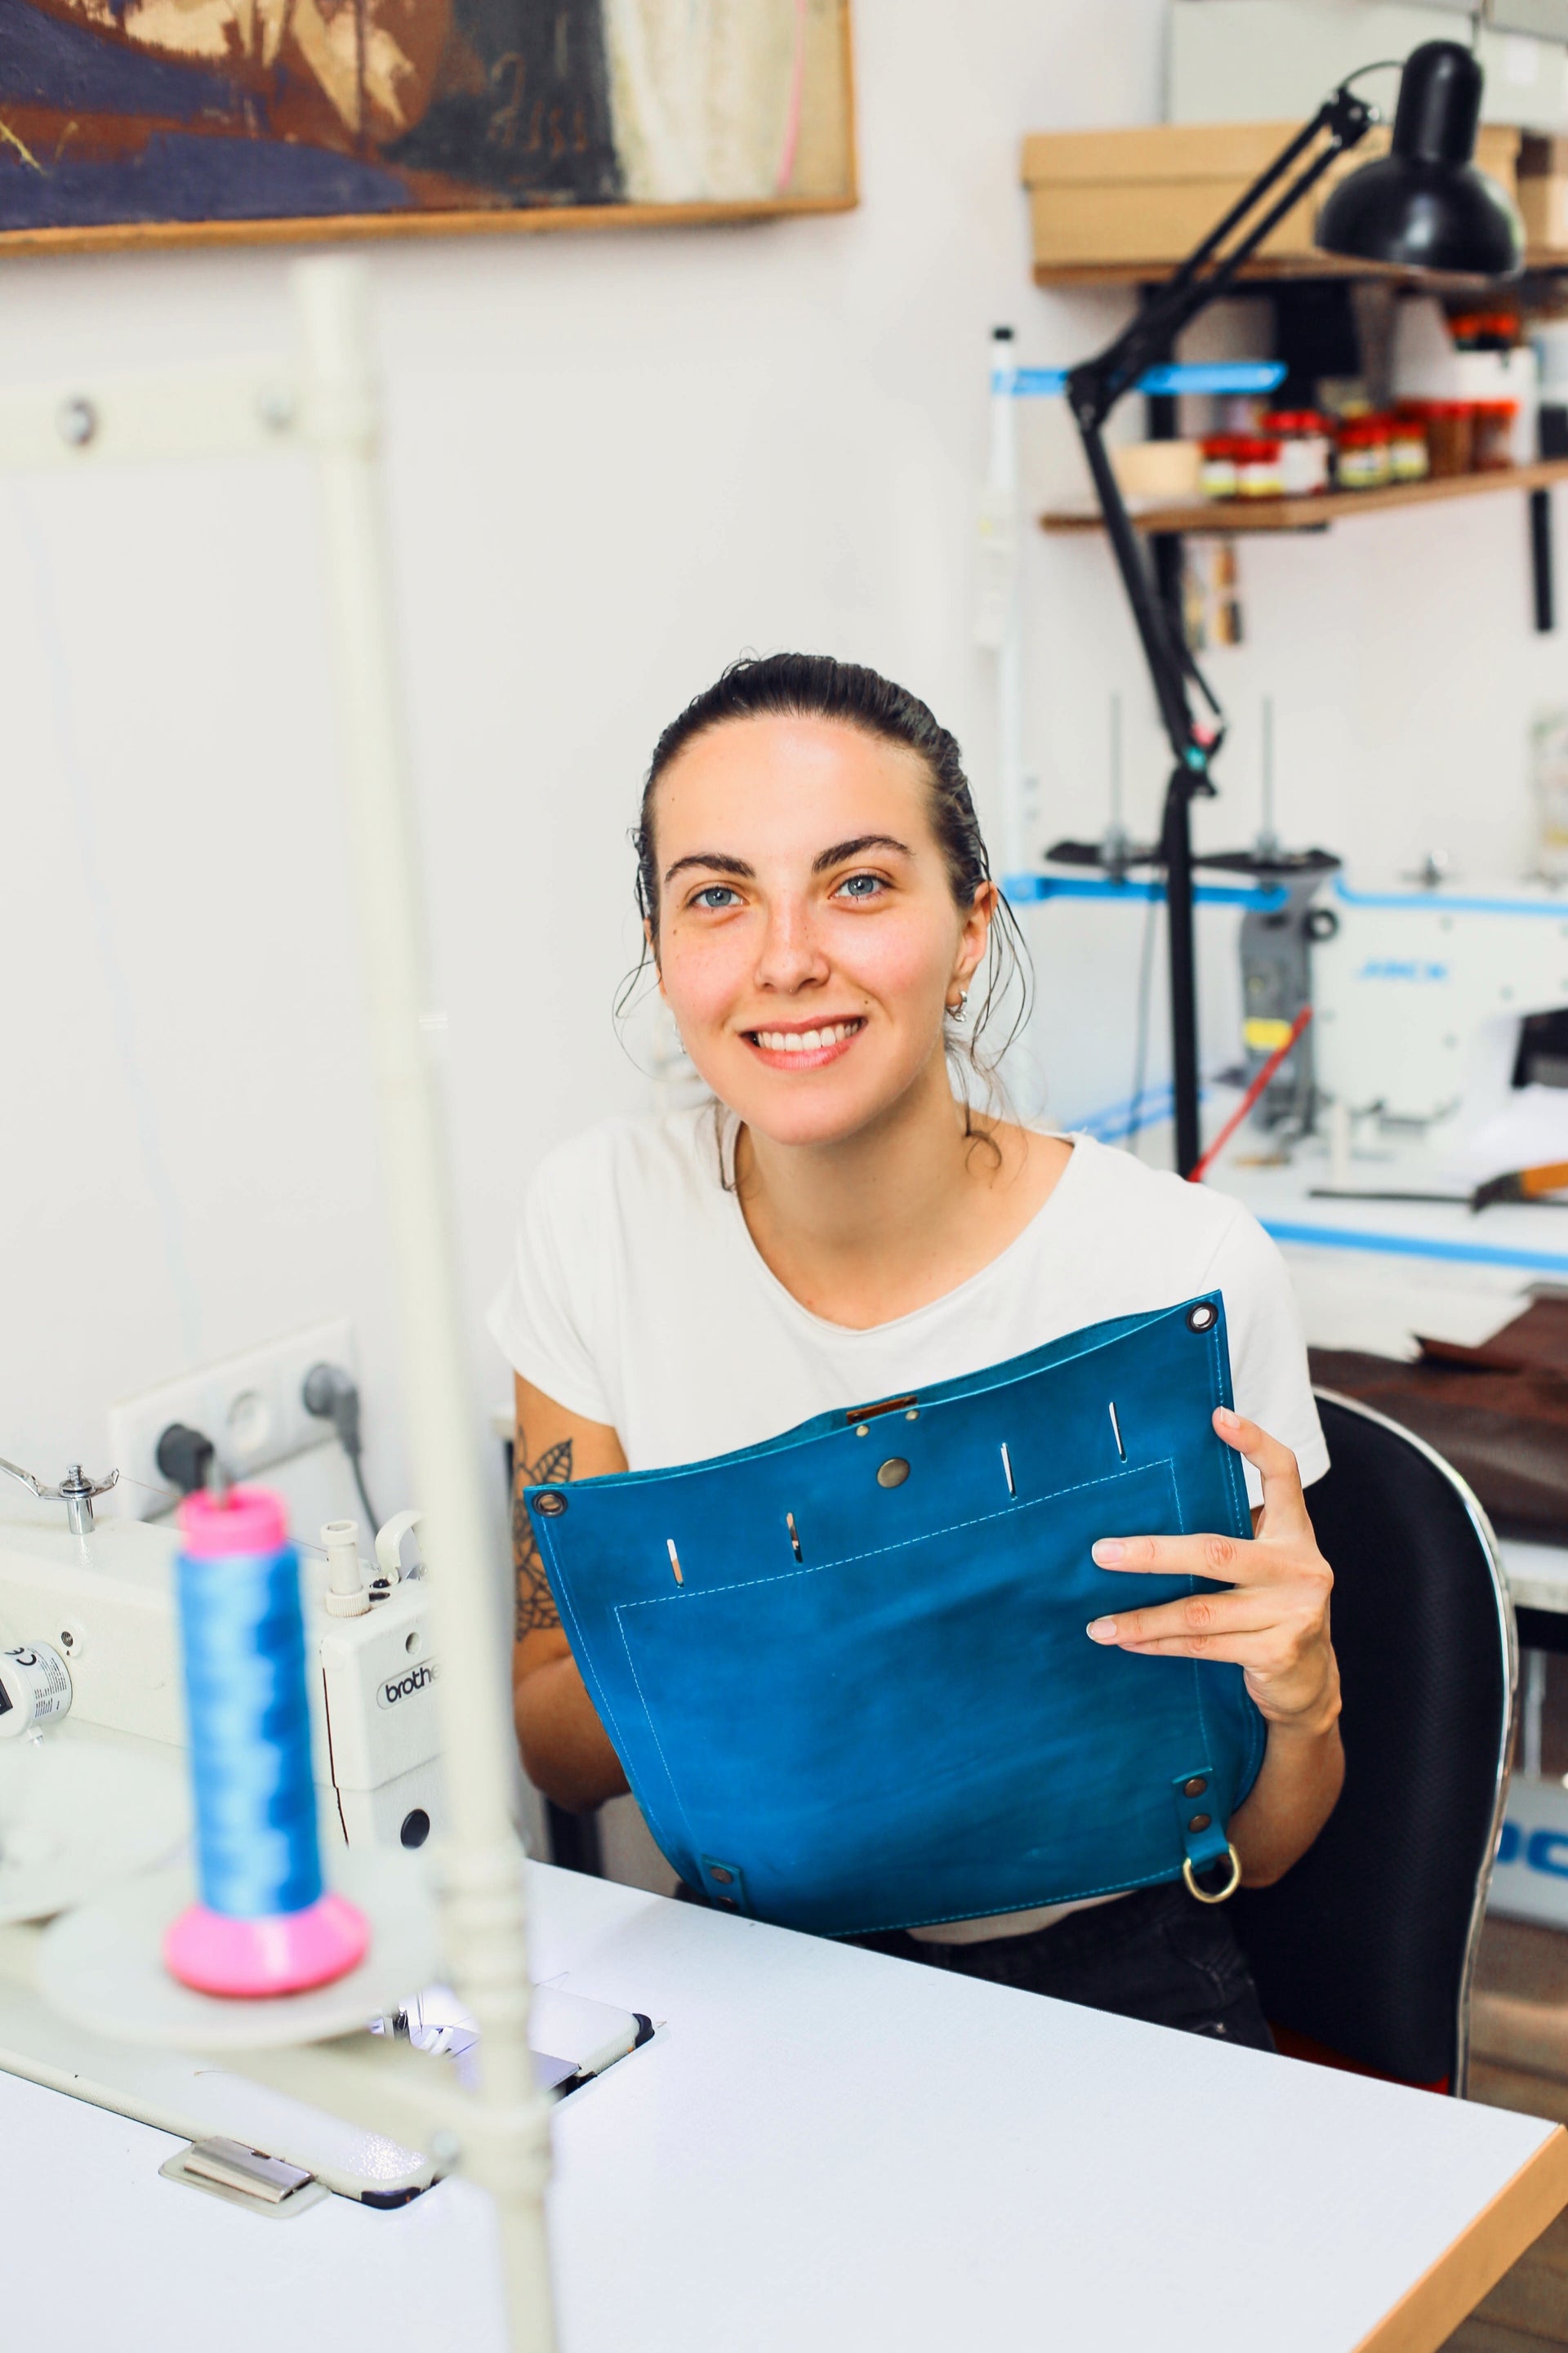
column 822, row 2149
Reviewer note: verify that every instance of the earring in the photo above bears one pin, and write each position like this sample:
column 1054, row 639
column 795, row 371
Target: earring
column 957, row 1011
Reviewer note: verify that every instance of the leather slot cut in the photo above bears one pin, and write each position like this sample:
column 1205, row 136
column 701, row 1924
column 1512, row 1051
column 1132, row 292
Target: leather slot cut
column 1007, row 1469
column 870, row 1412
column 795, row 1539
column 675, row 1560
column 1116, row 1433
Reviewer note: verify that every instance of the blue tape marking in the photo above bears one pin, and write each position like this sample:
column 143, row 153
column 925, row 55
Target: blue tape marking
column 1022, row 888
column 1208, row 375
column 1412, row 1245
column 1447, row 904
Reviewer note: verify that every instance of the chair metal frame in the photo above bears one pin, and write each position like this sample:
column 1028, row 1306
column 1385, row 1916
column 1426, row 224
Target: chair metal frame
column 1508, row 1630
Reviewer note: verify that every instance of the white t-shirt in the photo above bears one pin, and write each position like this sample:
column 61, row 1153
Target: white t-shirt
column 637, row 1298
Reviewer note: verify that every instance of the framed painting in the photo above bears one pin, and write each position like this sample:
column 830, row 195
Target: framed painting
column 185, row 121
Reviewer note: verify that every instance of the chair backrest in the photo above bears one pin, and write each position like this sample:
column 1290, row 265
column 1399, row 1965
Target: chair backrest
column 1367, row 1946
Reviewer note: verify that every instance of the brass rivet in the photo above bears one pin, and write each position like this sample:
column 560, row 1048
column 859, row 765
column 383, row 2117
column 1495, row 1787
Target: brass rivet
column 1199, row 1822
column 893, row 1472
column 1194, row 1788
column 550, row 1503
column 721, row 1874
column 864, row 1429
column 913, row 1414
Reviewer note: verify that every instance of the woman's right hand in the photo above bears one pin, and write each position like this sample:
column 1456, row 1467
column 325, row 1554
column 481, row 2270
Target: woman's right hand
column 566, row 1750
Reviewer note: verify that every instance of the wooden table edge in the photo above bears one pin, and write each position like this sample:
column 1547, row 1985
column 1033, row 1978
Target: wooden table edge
column 1449, row 2290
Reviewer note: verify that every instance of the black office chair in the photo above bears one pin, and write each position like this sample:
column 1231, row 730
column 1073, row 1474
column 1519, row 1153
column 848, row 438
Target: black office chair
column 1365, row 1949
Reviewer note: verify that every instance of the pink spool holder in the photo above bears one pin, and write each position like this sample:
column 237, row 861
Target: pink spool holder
column 284, row 1952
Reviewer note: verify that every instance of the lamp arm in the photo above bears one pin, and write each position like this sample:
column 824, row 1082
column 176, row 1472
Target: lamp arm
column 1096, row 384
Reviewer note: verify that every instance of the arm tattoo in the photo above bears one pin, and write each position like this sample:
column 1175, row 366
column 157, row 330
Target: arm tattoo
column 535, row 1604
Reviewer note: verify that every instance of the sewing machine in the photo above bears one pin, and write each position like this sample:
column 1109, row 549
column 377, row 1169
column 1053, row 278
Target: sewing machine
column 1444, row 1012
column 101, row 1601
column 93, row 1781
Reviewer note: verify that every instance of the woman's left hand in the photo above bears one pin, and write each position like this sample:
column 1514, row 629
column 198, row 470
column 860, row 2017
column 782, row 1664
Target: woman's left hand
column 1274, row 1622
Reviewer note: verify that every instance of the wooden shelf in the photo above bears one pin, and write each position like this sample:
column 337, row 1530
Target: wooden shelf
column 1282, row 270
column 1224, row 518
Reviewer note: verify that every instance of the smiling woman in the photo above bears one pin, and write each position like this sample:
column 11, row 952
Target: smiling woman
column 818, row 906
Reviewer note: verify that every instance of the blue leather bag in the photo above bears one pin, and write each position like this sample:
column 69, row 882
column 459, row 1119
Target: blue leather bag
column 846, row 1671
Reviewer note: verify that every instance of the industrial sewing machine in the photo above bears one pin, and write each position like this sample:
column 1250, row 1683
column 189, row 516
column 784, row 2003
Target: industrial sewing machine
column 1440, row 1010
column 92, row 1783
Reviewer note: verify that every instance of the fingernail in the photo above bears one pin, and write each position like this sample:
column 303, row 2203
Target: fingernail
column 1108, row 1552
column 1101, row 1630
column 1225, row 1419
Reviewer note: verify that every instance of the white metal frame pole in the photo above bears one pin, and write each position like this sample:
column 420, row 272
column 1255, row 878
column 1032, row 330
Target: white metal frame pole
column 508, row 2149
column 1000, row 625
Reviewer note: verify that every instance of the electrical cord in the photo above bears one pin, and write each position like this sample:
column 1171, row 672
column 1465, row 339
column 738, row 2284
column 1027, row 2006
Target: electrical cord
column 332, row 1395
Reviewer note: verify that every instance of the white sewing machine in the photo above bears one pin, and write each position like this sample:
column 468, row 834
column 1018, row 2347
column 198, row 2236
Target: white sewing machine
column 1440, row 1007
column 102, row 1601
column 93, row 1781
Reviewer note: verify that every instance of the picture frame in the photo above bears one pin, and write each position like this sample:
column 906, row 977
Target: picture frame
column 128, row 124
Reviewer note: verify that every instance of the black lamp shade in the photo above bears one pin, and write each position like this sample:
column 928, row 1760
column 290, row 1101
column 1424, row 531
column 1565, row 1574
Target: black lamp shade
column 1424, row 206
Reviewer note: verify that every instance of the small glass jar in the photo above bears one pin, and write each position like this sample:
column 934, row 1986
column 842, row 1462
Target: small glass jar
column 1219, row 476
column 1361, row 460
column 1492, row 430
column 1304, row 450
column 1450, row 436
column 1258, row 473
column 1409, row 459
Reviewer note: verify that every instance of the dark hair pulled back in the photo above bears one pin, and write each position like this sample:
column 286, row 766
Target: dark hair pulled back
column 814, row 686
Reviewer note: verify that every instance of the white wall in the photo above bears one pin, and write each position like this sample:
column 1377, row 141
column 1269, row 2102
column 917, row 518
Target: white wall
column 615, row 462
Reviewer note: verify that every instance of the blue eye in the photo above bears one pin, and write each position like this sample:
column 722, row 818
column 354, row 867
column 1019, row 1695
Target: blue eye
column 860, row 886
column 717, row 896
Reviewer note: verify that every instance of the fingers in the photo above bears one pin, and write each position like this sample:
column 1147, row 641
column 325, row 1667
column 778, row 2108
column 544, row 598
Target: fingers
column 1195, row 1624
column 1276, row 1465
column 1231, row 1559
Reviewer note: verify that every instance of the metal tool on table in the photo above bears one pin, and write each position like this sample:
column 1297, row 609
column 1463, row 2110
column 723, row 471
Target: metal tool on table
column 1546, row 1185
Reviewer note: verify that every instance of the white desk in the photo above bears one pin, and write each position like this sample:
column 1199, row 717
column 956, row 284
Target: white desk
column 827, row 2152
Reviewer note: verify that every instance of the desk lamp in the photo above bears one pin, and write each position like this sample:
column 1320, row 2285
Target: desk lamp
column 1423, row 206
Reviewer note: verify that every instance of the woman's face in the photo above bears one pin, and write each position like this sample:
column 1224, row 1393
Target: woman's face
column 808, row 940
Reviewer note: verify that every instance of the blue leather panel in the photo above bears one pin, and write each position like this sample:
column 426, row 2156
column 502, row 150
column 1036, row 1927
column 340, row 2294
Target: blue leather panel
column 868, row 1702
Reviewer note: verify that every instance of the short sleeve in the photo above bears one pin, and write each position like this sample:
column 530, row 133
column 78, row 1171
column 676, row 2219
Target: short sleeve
column 1269, row 1377
column 543, row 1316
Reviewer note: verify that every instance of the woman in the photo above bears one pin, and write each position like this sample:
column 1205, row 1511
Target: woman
column 818, row 903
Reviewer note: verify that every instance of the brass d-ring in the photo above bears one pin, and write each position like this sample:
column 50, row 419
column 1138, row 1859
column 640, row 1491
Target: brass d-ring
column 1231, row 1887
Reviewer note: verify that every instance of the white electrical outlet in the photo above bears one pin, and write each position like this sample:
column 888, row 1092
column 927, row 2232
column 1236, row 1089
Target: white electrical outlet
column 251, row 1406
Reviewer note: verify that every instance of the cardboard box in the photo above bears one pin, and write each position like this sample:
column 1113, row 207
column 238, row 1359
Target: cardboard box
column 1117, row 199
column 1544, row 193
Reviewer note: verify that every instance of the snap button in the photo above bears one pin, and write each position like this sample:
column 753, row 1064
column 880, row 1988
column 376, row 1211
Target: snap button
column 549, row 1502
column 1194, row 1788
column 893, row 1472
column 1201, row 1317
column 1199, row 1822
column 721, row 1876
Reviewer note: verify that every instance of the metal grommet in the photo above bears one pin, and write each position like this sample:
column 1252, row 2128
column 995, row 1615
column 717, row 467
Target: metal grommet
column 1227, row 1890
column 1194, row 1788
column 893, row 1472
column 551, row 1504
column 1202, row 1318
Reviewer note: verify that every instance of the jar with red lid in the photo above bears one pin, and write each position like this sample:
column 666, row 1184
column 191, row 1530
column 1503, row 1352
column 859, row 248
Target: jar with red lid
column 1257, row 468
column 1493, row 431
column 1219, row 478
column 1409, row 457
column 1361, row 457
column 1305, row 447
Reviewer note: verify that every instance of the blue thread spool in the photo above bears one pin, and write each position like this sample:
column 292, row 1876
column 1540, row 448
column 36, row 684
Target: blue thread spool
column 263, row 1925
